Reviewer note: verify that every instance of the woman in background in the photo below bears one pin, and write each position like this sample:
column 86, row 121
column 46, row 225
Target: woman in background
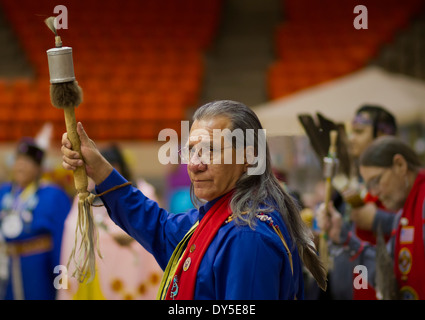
column 32, row 216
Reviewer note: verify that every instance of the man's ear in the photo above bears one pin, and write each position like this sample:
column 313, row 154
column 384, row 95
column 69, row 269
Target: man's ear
column 400, row 164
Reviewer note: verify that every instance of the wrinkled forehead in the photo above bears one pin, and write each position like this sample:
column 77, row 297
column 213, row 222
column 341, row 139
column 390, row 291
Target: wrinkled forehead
column 209, row 130
column 370, row 172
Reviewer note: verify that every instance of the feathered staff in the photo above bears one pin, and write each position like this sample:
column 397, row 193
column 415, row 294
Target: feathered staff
column 386, row 282
column 329, row 169
column 67, row 95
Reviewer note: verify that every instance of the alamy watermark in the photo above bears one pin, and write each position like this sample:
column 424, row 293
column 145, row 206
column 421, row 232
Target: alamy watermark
column 61, row 280
column 61, row 20
column 360, row 21
column 361, row 280
column 223, row 146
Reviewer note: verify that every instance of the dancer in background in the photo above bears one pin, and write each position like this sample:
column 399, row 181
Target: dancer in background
column 363, row 215
column 32, row 215
column 393, row 172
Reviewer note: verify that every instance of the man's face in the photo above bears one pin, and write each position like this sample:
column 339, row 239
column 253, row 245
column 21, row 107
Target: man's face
column 214, row 179
column 25, row 170
column 362, row 135
column 388, row 184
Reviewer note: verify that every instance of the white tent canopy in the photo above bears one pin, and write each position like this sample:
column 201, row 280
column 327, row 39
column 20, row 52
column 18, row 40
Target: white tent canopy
column 339, row 99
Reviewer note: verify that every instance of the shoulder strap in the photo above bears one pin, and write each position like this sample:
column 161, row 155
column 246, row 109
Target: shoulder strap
column 265, row 218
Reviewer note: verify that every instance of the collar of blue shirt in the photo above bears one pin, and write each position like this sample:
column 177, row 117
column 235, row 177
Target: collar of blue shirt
column 204, row 209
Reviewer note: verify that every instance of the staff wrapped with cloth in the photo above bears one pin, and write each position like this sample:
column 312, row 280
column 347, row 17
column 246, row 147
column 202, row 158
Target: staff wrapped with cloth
column 245, row 240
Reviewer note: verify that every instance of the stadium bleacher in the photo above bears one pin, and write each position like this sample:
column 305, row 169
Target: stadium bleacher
column 318, row 42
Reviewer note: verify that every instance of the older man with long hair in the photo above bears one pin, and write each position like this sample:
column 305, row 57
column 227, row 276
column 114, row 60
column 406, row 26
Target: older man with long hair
column 244, row 240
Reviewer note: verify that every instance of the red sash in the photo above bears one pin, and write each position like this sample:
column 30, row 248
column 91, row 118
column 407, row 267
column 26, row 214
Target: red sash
column 185, row 275
column 409, row 254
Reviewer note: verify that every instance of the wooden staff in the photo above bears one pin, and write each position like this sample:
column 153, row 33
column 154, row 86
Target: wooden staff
column 67, row 95
column 329, row 170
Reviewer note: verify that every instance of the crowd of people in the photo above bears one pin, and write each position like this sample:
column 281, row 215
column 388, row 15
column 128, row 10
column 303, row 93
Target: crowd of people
column 227, row 234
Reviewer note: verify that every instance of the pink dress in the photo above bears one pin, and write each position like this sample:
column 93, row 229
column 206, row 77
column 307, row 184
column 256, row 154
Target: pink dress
column 126, row 271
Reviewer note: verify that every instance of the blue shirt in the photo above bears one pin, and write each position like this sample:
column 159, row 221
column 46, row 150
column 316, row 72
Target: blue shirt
column 240, row 263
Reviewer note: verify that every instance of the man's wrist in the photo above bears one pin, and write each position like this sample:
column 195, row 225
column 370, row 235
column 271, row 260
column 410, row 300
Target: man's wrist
column 344, row 235
column 102, row 172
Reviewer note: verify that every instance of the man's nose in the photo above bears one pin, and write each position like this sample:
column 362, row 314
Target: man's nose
column 196, row 165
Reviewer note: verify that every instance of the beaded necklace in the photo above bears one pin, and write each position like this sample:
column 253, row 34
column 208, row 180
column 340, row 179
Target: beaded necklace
column 16, row 210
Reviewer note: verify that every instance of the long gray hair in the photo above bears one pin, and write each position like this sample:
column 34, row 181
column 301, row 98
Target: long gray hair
column 262, row 192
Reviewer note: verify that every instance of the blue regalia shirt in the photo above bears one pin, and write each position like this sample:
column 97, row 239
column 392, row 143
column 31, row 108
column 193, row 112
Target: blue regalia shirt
column 240, row 263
